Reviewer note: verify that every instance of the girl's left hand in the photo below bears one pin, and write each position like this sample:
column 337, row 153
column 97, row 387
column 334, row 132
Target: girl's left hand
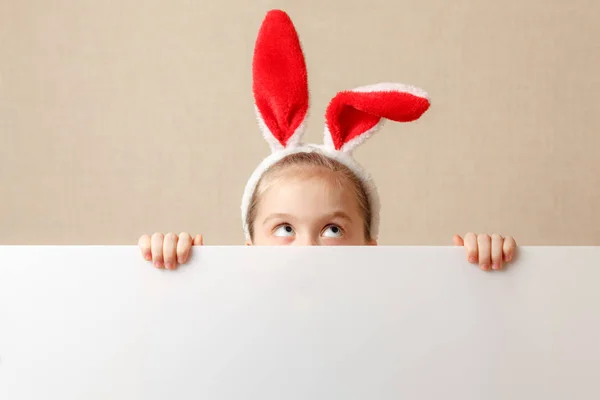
column 487, row 250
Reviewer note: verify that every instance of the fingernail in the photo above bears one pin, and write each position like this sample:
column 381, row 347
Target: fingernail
column 472, row 259
column 484, row 267
column 157, row 264
column 168, row 265
column 495, row 266
column 148, row 257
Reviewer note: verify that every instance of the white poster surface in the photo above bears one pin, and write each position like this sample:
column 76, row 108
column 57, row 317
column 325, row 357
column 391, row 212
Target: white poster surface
column 99, row 322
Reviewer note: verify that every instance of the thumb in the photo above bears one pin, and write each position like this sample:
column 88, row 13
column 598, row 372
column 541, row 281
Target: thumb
column 198, row 241
column 458, row 241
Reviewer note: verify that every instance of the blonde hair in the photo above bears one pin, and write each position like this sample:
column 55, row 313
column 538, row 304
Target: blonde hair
column 301, row 161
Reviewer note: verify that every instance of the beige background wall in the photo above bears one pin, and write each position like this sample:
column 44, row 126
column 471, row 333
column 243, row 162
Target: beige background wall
column 124, row 117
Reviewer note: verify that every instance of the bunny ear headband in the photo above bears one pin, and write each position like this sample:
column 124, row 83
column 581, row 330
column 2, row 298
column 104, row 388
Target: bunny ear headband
column 280, row 87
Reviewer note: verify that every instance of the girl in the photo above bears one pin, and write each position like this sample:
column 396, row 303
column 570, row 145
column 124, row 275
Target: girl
column 306, row 194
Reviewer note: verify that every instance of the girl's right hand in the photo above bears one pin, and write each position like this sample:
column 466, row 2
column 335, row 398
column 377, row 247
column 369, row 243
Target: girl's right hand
column 167, row 251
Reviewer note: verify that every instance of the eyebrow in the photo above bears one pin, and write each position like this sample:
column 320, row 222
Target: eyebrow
column 341, row 214
column 276, row 216
column 337, row 214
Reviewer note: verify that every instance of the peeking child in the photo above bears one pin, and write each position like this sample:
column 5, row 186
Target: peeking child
column 306, row 194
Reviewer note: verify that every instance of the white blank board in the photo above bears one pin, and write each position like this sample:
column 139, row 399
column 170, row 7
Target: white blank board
column 298, row 323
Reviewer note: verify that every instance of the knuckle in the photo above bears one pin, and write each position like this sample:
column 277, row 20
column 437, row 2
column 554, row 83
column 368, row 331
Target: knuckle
column 184, row 236
column 144, row 240
column 157, row 236
column 170, row 239
column 183, row 246
column 181, row 254
column 171, row 236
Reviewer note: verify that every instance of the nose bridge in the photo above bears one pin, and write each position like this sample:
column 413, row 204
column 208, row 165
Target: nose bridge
column 306, row 238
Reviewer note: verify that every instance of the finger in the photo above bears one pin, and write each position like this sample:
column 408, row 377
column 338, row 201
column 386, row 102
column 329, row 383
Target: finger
column 484, row 248
column 144, row 245
column 170, row 251
column 497, row 242
column 471, row 247
column 184, row 246
column 198, row 240
column 156, row 247
column 508, row 248
column 458, row 241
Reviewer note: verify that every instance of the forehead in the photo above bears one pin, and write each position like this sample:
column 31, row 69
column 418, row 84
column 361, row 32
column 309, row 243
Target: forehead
column 308, row 192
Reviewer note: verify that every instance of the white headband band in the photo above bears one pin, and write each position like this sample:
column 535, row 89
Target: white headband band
column 280, row 87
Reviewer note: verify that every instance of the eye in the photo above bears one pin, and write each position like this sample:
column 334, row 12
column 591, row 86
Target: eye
column 332, row 231
column 284, row 230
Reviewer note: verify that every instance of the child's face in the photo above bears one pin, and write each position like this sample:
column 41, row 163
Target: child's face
column 309, row 211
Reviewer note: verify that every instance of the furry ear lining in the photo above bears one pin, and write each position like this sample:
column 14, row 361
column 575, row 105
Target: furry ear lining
column 353, row 116
column 280, row 82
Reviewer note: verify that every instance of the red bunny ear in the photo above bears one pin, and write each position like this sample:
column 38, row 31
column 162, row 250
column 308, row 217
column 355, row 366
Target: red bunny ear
column 280, row 83
column 352, row 116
